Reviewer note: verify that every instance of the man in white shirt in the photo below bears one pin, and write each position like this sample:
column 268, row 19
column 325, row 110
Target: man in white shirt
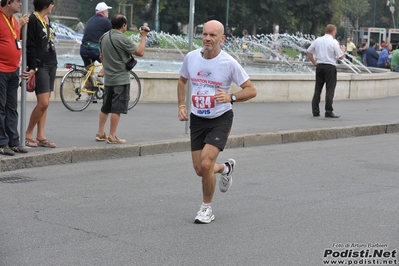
column 327, row 51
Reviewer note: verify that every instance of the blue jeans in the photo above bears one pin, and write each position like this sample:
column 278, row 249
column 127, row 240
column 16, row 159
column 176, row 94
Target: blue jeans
column 396, row 69
column 9, row 83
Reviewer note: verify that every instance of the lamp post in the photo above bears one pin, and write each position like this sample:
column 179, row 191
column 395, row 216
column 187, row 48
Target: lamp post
column 391, row 4
column 227, row 13
column 346, row 18
column 397, row 20
column 157, row 17
column 190, row 47
column 374, row 13
column 23, row 84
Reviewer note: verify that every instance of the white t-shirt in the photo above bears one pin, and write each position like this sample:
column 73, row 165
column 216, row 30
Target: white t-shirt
column 326, row 49
column 206, row 76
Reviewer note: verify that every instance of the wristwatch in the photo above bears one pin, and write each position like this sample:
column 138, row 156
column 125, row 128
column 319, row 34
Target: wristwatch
column 233, row 98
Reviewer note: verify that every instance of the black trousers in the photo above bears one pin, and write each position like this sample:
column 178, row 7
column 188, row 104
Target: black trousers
column 348, row 57
column 325, row 74
column 9, row 83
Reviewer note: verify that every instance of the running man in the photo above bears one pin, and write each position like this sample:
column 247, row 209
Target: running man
column 211, row 72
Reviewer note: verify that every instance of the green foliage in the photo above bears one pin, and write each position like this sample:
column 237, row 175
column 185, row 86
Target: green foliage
column 306, row 16
column 129, row 32
column 290, row 52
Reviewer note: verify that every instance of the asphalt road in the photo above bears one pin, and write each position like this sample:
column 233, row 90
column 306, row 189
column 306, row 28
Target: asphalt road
column 289, row 204
column 153, row 128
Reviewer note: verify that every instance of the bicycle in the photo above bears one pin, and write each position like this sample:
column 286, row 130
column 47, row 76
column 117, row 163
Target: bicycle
column 78, row 88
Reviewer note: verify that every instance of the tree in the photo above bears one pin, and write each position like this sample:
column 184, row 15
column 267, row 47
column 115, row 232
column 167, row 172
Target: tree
column 355, row 9
column 305, row 16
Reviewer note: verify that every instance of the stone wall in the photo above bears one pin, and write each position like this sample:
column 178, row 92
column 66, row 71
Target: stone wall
column 162, row 86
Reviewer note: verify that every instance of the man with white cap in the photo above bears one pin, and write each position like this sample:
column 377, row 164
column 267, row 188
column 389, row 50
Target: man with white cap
column 95, row 28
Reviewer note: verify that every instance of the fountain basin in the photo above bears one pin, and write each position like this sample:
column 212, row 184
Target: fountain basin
column 158, row 86
column 162, row 86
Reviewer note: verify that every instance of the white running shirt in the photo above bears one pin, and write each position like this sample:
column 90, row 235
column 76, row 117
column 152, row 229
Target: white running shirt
column 206, row 76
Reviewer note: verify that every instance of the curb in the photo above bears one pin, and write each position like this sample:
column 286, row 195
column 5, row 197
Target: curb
column 74, row 155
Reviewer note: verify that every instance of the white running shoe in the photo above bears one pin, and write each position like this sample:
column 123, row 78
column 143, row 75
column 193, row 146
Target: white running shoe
column 227, row 179
column 204, row 215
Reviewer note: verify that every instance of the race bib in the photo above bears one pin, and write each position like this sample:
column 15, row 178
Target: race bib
column 203, row 101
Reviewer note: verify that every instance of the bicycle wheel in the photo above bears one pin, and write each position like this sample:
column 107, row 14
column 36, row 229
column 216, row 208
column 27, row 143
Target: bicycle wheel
column 72, row 96
column 135, row 90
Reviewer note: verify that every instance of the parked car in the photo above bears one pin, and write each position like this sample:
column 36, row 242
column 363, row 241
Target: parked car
column 65, row 33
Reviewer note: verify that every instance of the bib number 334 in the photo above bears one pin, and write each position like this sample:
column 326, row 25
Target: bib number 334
column 203, row 101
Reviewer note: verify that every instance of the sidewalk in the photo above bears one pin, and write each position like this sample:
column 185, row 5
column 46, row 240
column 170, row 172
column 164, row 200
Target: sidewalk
column 153, row 128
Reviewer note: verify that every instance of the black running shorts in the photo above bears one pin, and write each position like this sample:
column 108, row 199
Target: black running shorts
column 213, row 131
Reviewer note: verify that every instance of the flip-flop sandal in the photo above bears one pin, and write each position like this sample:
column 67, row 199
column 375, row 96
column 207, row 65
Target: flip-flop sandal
column 46, row 143
column 31, row 142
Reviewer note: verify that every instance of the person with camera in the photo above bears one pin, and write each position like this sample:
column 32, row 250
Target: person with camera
column 116, row 51
column 10, row 57
column 42, row 63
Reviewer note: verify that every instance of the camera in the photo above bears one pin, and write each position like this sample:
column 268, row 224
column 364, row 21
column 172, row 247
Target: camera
column 144, row 29
column 51, row 47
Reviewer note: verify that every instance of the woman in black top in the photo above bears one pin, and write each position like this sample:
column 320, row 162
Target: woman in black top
column 41, row 62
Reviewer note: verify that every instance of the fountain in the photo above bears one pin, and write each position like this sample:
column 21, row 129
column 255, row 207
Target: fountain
column 291, row 78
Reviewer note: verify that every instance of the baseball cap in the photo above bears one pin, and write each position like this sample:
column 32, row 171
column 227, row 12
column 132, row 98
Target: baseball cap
column 102, row 7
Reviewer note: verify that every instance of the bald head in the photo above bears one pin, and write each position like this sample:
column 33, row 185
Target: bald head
column 214, row 25
column 212, row 37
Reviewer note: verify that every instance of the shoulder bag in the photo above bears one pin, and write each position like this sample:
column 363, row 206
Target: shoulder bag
column 129, row 65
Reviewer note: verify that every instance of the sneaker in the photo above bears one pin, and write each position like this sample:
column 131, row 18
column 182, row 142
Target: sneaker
column 93, row 99
column 204, row 215
column 6, row 151
column 19, row 149
column 227, row 179
column 102, row 137
column 115, row 140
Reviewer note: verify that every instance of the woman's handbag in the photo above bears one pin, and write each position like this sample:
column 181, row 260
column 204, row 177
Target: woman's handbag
column 31, row 84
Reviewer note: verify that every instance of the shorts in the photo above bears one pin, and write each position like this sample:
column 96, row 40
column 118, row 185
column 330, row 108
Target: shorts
column 45, row 77
column 89, row 55
column 116, row 99
column 210, row 131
